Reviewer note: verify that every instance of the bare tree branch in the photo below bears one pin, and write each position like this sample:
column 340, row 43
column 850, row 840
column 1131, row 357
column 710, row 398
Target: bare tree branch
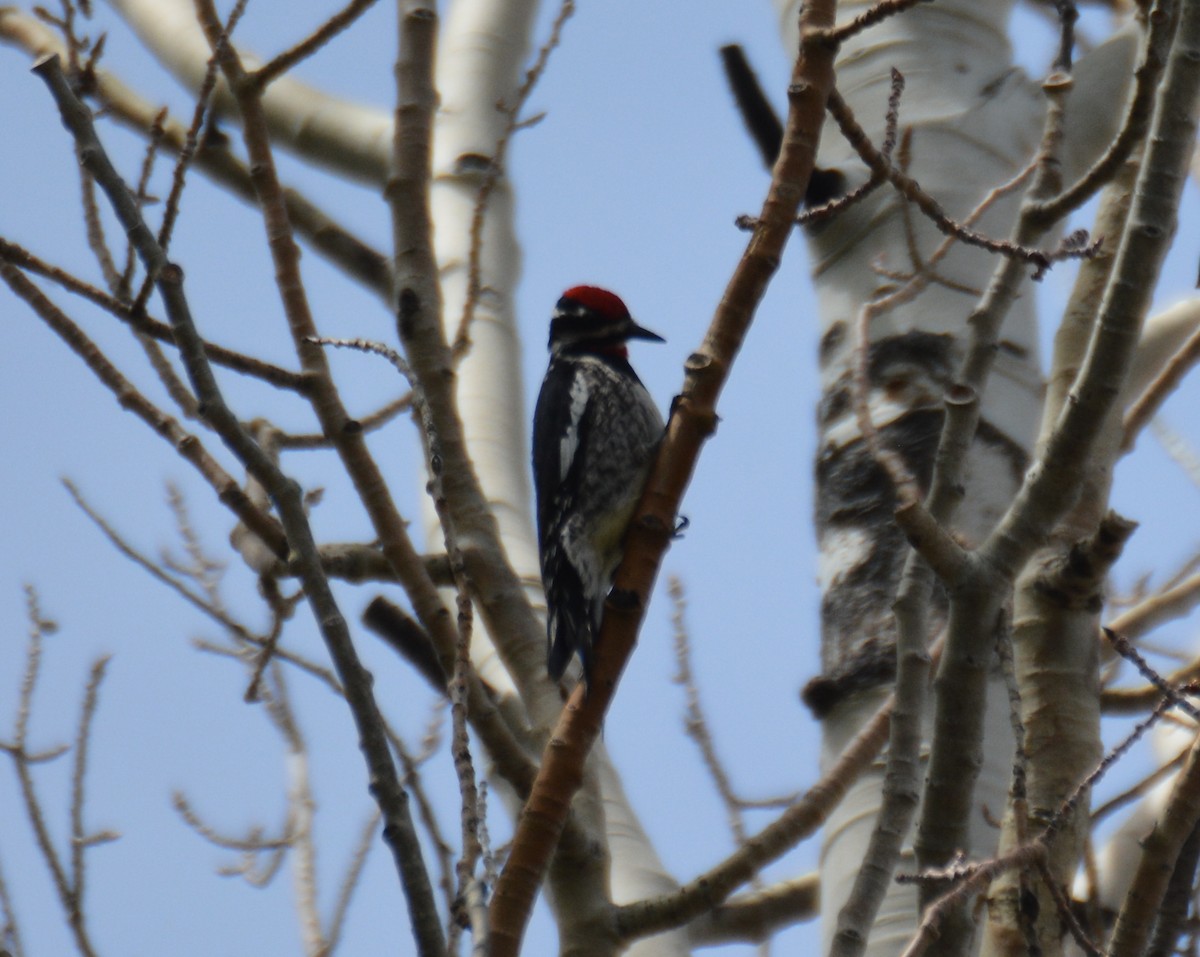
column 284, row 493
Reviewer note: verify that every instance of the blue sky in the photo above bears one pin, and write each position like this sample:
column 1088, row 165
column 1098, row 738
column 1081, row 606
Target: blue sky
column 632, row 181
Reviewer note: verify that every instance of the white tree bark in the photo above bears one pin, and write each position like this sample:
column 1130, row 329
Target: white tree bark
column 974, row 122
column 483, row 49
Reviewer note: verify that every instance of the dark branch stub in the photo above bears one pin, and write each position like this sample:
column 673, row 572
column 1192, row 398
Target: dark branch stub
column 762, row 122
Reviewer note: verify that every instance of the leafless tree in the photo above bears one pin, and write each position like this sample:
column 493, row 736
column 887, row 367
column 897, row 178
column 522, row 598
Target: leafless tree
column 969, row 644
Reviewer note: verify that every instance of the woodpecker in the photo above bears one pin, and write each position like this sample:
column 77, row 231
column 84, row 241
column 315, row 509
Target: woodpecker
column 595, row 432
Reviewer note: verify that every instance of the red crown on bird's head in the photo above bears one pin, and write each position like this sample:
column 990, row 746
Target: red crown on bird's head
column 600, row 301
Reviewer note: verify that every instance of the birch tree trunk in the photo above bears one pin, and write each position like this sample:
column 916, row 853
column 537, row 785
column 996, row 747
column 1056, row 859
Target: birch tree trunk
column 969, row 122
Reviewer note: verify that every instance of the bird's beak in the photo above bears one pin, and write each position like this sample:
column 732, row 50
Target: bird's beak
column 637, row 332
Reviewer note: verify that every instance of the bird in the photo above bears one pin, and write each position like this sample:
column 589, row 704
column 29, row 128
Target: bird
column 595, row 434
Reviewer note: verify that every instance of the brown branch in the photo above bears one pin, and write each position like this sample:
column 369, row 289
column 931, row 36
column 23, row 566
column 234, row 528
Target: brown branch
column 284, row 493
column 869, row 18
column 350, row 882
column 695, row 721
column 499, row 592
column 826, row 211
column 692, row 421
column 799, row 821
column 399, row 830
column 911, row 190
column 188, row 446
column 1066, row 913
column 1167, row 605
column 65, row 877
column 1169, row 692
column 1068, row 13
column 142, row 195
column 509, row 757
column 183, row 162
column 755, row 917
column 1133, row 130
column 80, row 839
column 1160, row 852
column 1156, row 393
column 253, row 842
column 368, row 423
column 359, row 562
column 1140, row 789
column 170, row 380
column 462, row 679
column 146, row 325
column 408, row 639
column 96, row 240
column 203, row 604
column 329, row 238
column 834, row 207
column 310, row 44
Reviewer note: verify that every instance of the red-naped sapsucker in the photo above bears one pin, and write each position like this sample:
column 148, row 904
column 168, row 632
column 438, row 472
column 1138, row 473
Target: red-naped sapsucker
column 595, row 432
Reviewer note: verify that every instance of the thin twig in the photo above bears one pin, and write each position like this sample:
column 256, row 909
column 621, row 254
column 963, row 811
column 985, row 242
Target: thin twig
column 799, row 821
column 285, row 494
column 1138, row 790
column 1169, row 693
column 312, row 43
column 351, row 880
column 253, row 842
column 368, row 423
column 458, row 686
column 79, row 838
column 95, row 228
column 190, row 447
column 327, row 236
column 154, row 569
column 179, row 177
column 869, row 18
column 1137, row 120
column 696, row 722
column 145, row 325
column 1068, row 13
column 142, row 194
column 911, row 190
column 10, row 932
column 301, row 809
column 1146, row 406
column 834, row 207
column 64, row 880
